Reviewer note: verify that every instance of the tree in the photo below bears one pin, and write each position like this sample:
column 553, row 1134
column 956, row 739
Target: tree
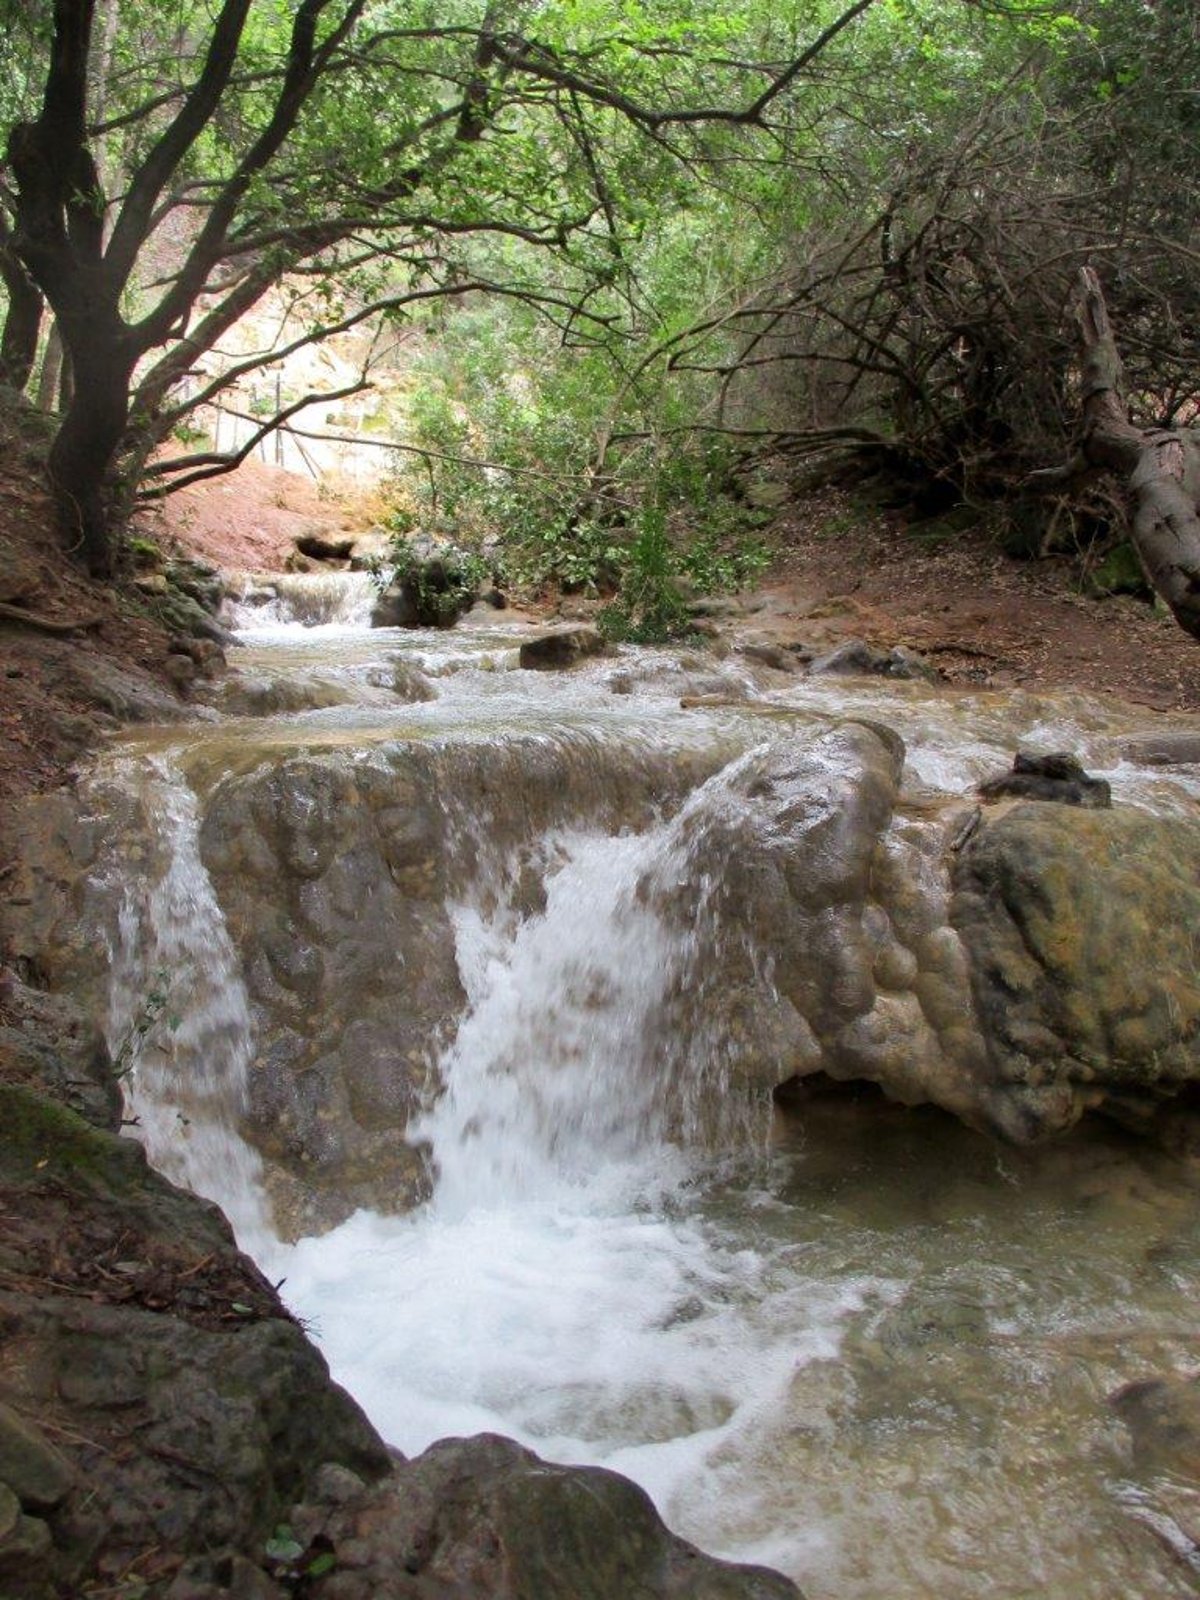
column 1160, row 465
column 915, row 327
column 171, row 173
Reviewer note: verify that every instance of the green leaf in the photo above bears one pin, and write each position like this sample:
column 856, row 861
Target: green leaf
column 282, row 1546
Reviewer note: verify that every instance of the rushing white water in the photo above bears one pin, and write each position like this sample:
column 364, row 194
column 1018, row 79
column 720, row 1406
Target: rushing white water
column 874, row 1355
column 307, row 599
column 567, row 1062
column 563, row 1286
column 179, row 1019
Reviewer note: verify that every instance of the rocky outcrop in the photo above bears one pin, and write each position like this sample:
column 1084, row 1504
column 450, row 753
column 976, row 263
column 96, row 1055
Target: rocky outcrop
column 1082, row 1000
column 1013, row 973
column 484, row 1517
column 333, row 880
column 47, row 1042
column 155, row 1400
column 336, row 877
column 829, row 949
column 1011, row 970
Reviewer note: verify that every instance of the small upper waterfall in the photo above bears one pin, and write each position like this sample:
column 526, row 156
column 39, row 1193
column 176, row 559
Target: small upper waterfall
column 307, row 599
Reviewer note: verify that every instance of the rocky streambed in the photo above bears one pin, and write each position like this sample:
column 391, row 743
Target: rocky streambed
column 677, row 1064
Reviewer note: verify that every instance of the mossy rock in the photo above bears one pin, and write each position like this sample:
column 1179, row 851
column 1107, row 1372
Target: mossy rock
column 1120, row 573
column 45, row 1142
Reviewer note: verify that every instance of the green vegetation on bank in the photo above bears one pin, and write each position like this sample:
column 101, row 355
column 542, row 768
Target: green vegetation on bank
column 629, row 260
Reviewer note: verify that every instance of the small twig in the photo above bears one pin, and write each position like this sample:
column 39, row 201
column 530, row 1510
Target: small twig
column 199, row 1267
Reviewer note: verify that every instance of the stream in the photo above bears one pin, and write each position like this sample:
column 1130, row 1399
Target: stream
column 857, row 1342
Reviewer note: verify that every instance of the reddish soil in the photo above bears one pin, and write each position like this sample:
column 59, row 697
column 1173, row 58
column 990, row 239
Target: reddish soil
column 980, row 616
column 250, row 518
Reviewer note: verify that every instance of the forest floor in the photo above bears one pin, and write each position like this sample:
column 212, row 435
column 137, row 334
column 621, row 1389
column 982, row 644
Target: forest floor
column 981, row 617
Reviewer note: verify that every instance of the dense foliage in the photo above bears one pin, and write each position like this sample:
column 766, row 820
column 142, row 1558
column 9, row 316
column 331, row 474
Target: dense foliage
column 649, row 252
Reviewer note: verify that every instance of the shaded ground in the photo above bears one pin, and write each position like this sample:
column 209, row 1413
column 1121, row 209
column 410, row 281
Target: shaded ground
column 981, row 617
column 60, row 691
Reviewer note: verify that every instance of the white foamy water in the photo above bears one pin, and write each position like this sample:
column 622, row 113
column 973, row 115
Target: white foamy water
column 563, row 1285
column 297, row 600
column 179, row 1018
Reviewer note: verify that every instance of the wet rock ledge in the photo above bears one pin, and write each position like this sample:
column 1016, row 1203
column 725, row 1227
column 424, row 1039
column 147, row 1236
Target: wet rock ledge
column 167, row 1430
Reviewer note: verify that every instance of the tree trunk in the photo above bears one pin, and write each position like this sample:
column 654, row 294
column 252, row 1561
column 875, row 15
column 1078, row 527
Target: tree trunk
column 82, row 457
column 1162, row 466
column 22, row 324
column 51, row 373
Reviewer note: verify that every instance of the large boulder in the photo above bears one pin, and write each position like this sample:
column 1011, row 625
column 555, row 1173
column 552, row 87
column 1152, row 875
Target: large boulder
column 485, row 1519
column 431, row 586
column 1163, row 1418
column 1085, row 983
column 1014, row 973
column 156, row 1399
column 824, row 947
column 264, row 694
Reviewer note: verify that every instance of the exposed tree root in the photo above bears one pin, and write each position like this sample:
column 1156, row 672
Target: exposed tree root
column 48, row 624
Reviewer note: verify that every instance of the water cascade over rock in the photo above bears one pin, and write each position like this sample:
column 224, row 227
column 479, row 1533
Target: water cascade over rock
column 470, row 1006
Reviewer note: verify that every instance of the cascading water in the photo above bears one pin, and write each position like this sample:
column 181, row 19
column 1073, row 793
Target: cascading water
column 567, row 1062
column 873, row 1354
column 179, row 1020
column 562, row 1284
column 307, row 599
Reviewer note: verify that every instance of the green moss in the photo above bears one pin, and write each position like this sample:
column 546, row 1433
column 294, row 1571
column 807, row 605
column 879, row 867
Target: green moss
column 44, row 1141
column 1120, row 572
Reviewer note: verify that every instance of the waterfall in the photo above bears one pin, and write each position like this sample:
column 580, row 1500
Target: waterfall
column 563, row 1284
column 179, row 1018
column 797, row 1349
column 574, row 1054
column 306, row 599
column 549, row 1076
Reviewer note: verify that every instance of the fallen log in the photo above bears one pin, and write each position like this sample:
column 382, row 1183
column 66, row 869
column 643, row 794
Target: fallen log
column 1161, row 466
